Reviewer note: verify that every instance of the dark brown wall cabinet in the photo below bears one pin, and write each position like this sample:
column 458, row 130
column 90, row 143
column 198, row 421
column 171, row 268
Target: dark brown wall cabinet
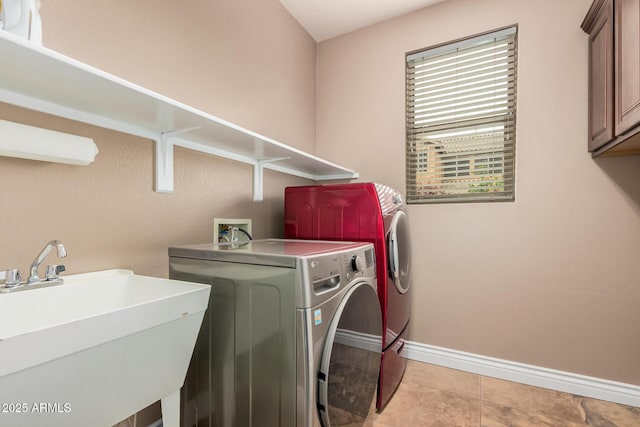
column 614, row 76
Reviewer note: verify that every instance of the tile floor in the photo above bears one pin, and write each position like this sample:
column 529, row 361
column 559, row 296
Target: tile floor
column 432, row 396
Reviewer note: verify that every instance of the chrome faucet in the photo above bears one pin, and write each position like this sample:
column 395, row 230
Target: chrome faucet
column 33, row 272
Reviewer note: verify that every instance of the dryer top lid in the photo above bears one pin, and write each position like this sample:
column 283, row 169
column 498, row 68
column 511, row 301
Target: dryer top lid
column 276, row 252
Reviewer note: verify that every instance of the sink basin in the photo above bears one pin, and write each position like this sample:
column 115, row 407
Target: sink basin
column 96, row 349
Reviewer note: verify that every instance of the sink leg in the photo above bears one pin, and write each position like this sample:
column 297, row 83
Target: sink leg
column 171, row 410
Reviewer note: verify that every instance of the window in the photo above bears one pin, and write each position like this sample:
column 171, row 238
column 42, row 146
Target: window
column 461, row 116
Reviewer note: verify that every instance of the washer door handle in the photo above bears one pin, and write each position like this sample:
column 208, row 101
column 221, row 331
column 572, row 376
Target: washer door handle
column 393, row 255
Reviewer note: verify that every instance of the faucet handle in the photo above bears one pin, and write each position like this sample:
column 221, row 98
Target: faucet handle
column 12, row 277
column 52, row 272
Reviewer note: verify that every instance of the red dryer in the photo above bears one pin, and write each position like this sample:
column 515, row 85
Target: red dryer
column 373, row 213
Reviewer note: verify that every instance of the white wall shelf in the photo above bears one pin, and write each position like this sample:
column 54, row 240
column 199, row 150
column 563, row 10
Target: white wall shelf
column 41, row 79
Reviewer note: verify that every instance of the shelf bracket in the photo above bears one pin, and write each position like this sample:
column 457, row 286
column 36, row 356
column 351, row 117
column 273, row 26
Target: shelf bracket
column 258, row 177
column 164, row 164
column 164, row 159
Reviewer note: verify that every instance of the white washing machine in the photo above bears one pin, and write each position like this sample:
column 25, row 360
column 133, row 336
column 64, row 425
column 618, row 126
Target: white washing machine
column 292, row 335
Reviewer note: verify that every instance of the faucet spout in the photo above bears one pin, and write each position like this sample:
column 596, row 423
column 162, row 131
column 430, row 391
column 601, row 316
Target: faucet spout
column 33, row 272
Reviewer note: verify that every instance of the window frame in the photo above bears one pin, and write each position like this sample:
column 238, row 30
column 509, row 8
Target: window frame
column 454, row 176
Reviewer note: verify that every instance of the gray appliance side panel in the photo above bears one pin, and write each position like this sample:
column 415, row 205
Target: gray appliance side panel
column 243, row 371
column 205, row 401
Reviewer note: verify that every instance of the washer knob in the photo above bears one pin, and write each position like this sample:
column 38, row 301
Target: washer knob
column 357, row 264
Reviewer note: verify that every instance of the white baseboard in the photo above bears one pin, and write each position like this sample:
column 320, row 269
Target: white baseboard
column 567, row 382
column 358, row 340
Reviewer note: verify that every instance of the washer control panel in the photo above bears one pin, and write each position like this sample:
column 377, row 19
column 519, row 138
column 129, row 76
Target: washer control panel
column 329, row 272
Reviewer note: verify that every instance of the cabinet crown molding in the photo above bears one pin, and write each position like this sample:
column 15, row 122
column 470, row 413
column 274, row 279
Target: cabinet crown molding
column 590, row 18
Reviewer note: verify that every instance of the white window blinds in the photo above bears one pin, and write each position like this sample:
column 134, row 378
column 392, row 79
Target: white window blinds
column 461, row 117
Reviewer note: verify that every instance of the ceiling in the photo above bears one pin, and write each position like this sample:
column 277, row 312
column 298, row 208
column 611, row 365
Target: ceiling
column 324, row 19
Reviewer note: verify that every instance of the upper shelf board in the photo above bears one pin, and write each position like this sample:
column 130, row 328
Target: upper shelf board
column 40, row 79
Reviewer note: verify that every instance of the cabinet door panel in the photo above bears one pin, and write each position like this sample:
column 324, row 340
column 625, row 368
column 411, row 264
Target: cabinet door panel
column 627, row 50
column 601, row 79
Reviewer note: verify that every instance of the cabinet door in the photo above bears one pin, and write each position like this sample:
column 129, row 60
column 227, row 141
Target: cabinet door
column 601, row 78
column 627, row 59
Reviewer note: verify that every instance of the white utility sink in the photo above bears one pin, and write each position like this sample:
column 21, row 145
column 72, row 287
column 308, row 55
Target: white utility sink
column 96, row 349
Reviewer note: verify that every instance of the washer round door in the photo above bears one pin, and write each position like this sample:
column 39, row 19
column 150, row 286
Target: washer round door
column 399, row 252
column 350, row 364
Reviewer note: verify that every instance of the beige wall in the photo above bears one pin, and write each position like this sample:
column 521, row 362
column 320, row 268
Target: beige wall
column 254, row 66
column 551, row 280
column 248, row 62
